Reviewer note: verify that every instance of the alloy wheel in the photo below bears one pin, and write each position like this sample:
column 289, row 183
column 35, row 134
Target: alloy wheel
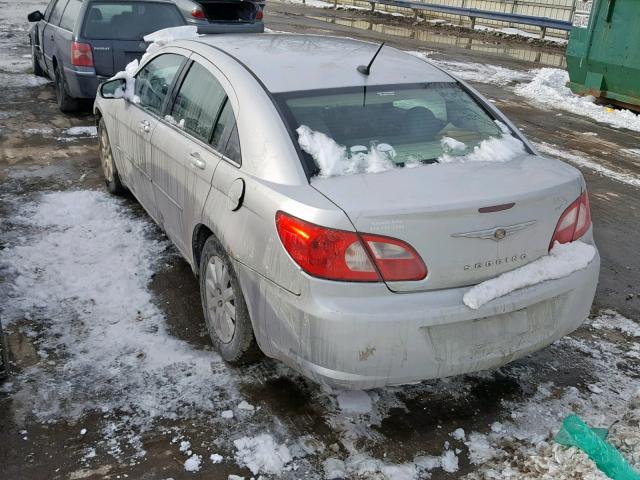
column 221, row 307
column 105, row 156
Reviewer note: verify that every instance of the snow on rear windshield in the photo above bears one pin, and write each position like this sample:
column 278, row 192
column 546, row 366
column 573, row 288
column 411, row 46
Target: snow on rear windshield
column 350, row 131
column 129, row 21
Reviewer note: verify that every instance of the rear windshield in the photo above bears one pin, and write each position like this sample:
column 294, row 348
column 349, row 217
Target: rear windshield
column 388, row 126
column 129, row 21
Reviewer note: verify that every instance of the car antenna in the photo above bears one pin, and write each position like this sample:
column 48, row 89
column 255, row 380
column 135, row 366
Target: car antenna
column 365, row 69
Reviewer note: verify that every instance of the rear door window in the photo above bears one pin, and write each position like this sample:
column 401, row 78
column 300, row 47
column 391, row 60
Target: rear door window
column 198, row 102
column 129, row 21
column 154, row 81
column 233, row 146
column 223, row 128
column 70, row 14
column 56, row 13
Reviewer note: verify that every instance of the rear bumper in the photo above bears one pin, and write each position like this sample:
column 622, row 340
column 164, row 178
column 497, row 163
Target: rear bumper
column 214, row 27
column 361, row 336
column 82, row 82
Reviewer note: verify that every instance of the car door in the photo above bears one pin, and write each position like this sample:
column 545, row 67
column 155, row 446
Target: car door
column 49, row 32
column 38, row 33
column 184, row 157
column 139, row 120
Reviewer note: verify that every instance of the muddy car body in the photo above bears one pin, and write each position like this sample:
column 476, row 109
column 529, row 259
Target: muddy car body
column 240, row 201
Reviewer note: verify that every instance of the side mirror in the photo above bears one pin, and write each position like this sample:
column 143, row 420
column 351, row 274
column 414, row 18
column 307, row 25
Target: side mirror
column 35, row 16
column 113, row 88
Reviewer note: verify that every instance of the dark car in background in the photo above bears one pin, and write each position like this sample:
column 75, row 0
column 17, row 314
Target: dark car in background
column 81, row 43
column 224, row 16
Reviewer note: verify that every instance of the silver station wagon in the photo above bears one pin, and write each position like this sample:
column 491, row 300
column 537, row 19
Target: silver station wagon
column 337, row 212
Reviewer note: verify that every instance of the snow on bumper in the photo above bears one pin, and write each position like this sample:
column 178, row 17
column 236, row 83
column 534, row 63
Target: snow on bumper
column 563, row 260
column 363, row 336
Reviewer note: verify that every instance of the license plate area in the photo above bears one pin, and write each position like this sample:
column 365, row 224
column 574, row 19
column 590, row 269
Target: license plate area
column 493, row 337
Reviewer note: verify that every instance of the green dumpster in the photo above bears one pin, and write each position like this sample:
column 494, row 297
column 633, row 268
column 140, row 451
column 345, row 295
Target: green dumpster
column 603, row 54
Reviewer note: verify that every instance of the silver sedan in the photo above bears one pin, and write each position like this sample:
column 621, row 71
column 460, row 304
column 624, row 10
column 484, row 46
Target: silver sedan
column 336, row 211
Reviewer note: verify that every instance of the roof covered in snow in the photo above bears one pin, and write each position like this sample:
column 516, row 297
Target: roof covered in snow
column 289, row 62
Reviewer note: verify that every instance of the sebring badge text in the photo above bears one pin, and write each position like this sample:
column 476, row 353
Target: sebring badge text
column 497, row 261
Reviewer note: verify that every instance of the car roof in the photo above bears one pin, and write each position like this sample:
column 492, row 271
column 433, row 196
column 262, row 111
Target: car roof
column 294, row 62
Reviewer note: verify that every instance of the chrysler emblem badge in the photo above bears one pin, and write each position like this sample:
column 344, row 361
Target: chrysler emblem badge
column 500, row 233
column 495, row 233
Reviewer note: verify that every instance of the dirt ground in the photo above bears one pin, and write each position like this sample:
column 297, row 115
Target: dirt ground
column 37, row 157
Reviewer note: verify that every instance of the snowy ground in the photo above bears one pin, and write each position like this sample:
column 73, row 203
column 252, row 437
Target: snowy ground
column 113, row 376
column 79, row 268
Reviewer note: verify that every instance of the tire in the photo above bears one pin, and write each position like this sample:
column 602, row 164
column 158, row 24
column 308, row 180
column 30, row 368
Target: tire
column 37, row 69
column 231, row 334
column 109, row 170
column 66, row 103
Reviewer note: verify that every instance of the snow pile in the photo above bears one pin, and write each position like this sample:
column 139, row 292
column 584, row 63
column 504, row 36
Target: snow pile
column 495, row 149
column 625, row 434
column 563, row 260
column 595, row 164
column 38, row 131
column 244, row 405
column 334, row 160
column 363, row 466
column 448, row 461
column 158, row 40
column 549, row 461
column 523, row 448
column 477, row 72
column 88, row 131
column 192, row 464
column 334, row 469
column 22, row 80
column 261, row 454
column 612, row 320
column 548, row 87
column 312, row 3
column 83, row 276
column 216, row 458
column 354, row 401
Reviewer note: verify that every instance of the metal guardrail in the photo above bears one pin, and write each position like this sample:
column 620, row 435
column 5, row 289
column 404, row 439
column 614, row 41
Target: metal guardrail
column 473, row 13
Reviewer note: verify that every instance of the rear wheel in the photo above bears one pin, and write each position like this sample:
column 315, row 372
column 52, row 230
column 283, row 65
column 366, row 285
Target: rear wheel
column 66, row 103
column 109, row 170
column 37, row 69
column 225, row 310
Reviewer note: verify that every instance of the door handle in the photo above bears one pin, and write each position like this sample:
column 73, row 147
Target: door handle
column 197, row 161
column 145, row 126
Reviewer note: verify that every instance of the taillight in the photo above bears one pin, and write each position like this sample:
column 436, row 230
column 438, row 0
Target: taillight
column 259, row 14
column 396, row 260
column 198, row 13
column 81, row 55
column 342, row 255
column 574, row 222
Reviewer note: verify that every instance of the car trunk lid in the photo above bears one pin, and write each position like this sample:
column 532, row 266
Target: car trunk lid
column 468, row 221
column 111, row 56
column 229, row 11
